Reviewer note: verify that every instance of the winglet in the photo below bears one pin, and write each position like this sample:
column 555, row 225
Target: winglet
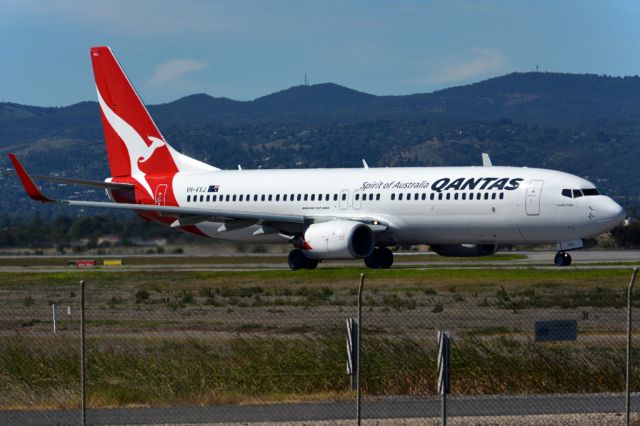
column 27, row 182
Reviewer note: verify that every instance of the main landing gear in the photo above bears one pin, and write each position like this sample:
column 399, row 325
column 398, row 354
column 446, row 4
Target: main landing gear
column 297, row 260
column 562, row 259
column 380, row 258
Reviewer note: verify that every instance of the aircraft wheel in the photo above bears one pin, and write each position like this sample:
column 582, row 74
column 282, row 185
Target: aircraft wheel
column 562, row 259
column 310, row 263
column 297, row 259
column 372, row 261
column 385, row 257
column 380, row 258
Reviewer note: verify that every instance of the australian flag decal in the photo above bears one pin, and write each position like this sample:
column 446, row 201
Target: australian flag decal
column 213, row 188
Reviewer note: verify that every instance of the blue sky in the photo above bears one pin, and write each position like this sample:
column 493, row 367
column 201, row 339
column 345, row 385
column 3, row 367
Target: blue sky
column 247, row 49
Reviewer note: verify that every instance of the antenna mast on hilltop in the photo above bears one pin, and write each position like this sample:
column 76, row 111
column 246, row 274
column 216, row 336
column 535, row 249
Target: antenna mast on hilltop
column 306, row 80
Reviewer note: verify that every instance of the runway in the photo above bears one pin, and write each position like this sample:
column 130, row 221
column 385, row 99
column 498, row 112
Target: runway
column 385, row 408
column 582, row 259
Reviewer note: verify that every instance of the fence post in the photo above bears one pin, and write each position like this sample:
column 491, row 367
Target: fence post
column 629, row 329
column 83, row 364
column 359, row 362
column 53, row 316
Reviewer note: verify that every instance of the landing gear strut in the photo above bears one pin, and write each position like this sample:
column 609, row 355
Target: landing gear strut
column 562, row 259
column 380, row 258
column 297, row 260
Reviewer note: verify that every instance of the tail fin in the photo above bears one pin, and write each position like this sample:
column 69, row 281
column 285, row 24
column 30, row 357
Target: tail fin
column 135, row 146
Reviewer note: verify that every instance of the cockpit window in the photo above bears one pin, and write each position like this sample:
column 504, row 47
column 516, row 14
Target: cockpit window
column 566, row 193
column 590, row 192
column 577, row 193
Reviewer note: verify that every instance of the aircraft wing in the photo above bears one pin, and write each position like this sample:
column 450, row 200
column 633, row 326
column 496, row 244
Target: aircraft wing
column 169, row 211
column 183, row 216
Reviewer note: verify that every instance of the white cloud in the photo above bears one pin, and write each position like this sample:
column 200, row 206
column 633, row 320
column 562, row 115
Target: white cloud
column 476, row 63
column 173, row 69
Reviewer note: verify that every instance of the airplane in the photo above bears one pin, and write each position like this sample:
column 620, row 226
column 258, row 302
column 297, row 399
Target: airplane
column 327, row 214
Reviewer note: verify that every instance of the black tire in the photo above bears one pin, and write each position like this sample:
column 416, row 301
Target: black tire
column 566, row 259
column 385, row 258
column 297, row 259
column 310, row 263
column 559, row 259
column 372, row 261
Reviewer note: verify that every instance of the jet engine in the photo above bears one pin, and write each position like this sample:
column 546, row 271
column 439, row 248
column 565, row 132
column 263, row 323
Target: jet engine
column 338, row 239
column 465, row 250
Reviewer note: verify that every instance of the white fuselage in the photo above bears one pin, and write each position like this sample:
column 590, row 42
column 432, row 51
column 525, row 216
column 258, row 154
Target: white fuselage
column 435, row 205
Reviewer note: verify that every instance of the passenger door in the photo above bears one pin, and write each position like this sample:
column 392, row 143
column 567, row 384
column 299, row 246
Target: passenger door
column 532, row 203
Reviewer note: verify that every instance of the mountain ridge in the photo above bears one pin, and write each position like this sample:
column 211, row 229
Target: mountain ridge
column 584, row 124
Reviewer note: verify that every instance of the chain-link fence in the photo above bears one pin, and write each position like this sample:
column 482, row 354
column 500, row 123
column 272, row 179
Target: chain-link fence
column 270, row 345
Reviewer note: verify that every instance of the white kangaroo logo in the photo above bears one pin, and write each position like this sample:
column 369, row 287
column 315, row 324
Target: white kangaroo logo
column 138, row 149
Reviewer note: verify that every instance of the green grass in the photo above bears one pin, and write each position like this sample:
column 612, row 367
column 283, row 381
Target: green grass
column 194, row 371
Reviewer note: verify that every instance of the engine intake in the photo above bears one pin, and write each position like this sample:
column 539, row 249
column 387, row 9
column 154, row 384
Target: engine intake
column 338, row 239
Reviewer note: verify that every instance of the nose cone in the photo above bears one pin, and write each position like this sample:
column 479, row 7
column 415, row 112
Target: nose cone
column 607, row 210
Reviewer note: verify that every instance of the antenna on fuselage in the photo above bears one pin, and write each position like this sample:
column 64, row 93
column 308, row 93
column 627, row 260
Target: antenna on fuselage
column 364, row 163
column 239, row 167
column 486, row 161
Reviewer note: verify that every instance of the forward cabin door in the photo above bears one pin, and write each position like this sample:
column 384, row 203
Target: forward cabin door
column 532, row 202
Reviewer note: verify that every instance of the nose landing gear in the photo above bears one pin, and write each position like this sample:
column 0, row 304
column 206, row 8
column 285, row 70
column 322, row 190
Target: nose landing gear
column 562, row 259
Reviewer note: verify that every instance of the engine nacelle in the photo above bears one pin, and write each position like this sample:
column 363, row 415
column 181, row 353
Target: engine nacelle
column 465, row 250
column 338, row 239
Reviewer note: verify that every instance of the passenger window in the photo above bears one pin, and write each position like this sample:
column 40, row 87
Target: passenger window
column 448, row 195
column 255, row 197
column 464, row 195
column 227, row 197
column 577, row 193
column 319, row 197
column 313, row 197
column 327, row 197
column 306, row 197
column 424, row 196
column 486, row 195
column 471, row 195
column 248, row 197
column 201, row 198
column 284, row 197
column 400, row 196
column 214, row 197
column 234, row 197
column 440, row 196
column 377, row 197
column 566, row 193
column 455, row 196
column 493, row 196
column 416, row 196
column 188, row 198
column 208, row 197
column 239, row 199
column 344, row 197
column 299, row 197
column 370, row 197
column 393, row 197
column 335, row 197
column 502, row 195
column 432, row 196
column 262, row 197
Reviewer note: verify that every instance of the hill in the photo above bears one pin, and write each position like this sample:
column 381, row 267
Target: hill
column 584, row 124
